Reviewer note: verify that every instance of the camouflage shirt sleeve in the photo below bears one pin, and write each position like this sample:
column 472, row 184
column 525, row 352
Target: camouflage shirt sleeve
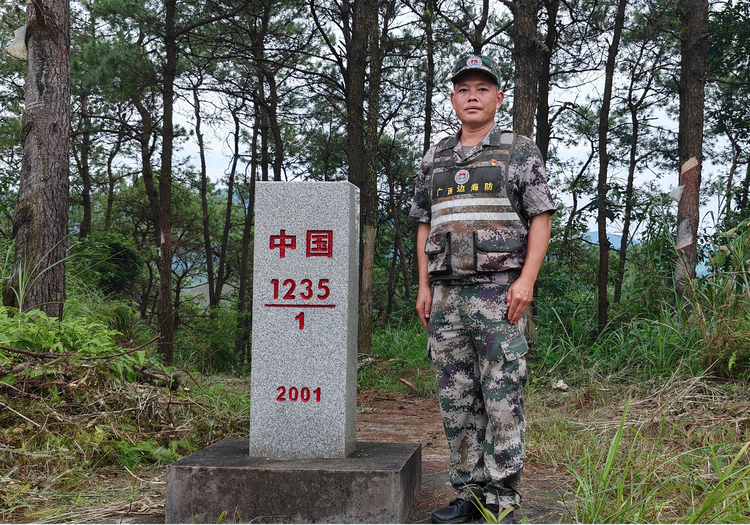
column 420, row 205
column 527, row 183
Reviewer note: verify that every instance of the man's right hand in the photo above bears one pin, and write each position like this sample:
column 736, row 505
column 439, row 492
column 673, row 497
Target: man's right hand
column 424, row 304
column 424, row 295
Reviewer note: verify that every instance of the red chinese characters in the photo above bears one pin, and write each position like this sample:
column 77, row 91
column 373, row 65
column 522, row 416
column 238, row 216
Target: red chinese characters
column 319, row 243
column 302, row 293
column 283, row 242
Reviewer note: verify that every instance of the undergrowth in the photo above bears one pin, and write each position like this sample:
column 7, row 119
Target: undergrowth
column 74, row 404
column 398, row 362
column 648, row 418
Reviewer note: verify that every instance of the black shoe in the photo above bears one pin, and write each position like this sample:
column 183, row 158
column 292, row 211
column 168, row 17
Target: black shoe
column 495, row 511
column 458, row 511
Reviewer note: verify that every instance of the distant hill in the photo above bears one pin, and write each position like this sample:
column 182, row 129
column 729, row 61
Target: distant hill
column 614, row 240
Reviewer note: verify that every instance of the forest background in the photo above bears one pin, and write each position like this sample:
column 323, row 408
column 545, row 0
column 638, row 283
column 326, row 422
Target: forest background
column 295, row 90
column 110, row 226
column 356, row 91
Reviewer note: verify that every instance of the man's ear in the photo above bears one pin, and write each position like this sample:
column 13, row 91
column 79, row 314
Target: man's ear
column 500, row 96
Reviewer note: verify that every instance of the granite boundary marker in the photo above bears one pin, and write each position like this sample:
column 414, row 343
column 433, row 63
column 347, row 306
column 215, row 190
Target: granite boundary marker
column 305, row 287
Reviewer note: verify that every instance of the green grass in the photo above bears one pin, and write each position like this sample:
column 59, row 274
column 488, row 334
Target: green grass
column 632, row 482
column 398, row 353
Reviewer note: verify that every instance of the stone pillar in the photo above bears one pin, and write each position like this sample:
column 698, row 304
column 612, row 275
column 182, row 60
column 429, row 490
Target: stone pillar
column 304, row 340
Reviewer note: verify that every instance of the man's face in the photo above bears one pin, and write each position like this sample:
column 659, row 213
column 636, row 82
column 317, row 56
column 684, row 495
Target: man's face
column 475, row 98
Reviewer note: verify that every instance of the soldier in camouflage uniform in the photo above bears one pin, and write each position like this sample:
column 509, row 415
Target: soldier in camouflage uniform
column 483, row 208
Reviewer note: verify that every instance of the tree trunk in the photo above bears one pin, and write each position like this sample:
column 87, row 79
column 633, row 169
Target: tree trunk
column 356, row 61
column 428, row 16
column 164, row 260
column 623, row 256
column 729, row 190
column 694, row 50
column 634, row 136
column 273, row 122
column 224, row 269
column 368, row 189
column 244, row 306
column 543, row 124
column 527, row 59
column 205, row 217
column 743, row 199
column 386, row 313
column 398, row 235
column 601, row 218
column 84, row 167
column 111, row 182
column 40, row 224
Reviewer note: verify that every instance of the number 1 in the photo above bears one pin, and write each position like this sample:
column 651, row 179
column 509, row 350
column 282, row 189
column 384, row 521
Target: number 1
column 301, row 319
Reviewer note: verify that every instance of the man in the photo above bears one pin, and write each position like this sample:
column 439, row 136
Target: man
column 484, row 209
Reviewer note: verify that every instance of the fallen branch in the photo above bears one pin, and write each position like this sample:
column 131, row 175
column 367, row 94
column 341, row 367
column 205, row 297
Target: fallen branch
column 37, row 425
column 52, row 355
column 110, row 356
column 170, row 380
column 42, row 355
column 407, row 383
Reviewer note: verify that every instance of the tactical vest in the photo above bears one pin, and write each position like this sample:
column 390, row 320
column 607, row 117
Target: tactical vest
column 475, row 227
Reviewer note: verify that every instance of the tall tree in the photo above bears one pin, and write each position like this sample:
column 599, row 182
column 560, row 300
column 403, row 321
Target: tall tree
column 356, row 19
column 602, row 209
column 693, row 58
column 647, row 53
column 544, row 124
column 40, row 226
column 528, row 52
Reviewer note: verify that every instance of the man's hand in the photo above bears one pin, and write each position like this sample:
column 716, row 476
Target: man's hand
column 521, row 292
column 424, row 303
column 520, row 295
column 424, row 296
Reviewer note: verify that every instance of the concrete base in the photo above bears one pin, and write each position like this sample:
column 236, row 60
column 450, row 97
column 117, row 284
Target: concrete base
column 377, row 483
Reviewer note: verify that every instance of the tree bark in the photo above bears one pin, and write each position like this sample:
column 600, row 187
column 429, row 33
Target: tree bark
column 224, row 269
column 205, row 217
column 623, row 255
column 543, row 123
column 244, row 306
column 84, row 167
column 40, row 223
column 601, row 220
column 694, row 51
column 527, row 59
column 164, row 261
column 428, row 16
column 368, row 189
column 111, row 182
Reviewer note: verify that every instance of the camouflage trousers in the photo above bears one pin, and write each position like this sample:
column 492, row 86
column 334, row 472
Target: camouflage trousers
column 478, row 358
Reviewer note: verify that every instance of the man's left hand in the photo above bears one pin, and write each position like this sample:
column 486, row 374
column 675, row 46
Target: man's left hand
column 520, row 295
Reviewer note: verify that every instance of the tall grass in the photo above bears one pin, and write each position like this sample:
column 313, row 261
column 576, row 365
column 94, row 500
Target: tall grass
column 398, row 361
column 631, row 483
column 651, row 334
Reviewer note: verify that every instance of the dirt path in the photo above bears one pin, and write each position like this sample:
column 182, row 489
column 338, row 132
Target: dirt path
column 396, row 418
column 381, row 417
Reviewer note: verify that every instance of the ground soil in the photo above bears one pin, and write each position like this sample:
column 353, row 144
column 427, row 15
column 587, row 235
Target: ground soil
column 387, row 417
column 398, row 418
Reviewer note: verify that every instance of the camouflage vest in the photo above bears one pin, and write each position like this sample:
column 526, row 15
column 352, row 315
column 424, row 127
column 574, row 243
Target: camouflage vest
column 475, row 227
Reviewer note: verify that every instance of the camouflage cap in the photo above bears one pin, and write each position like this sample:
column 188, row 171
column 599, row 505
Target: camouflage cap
column 476, row 63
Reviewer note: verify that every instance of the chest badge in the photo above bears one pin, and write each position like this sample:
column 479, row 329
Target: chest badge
column 462, row 177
